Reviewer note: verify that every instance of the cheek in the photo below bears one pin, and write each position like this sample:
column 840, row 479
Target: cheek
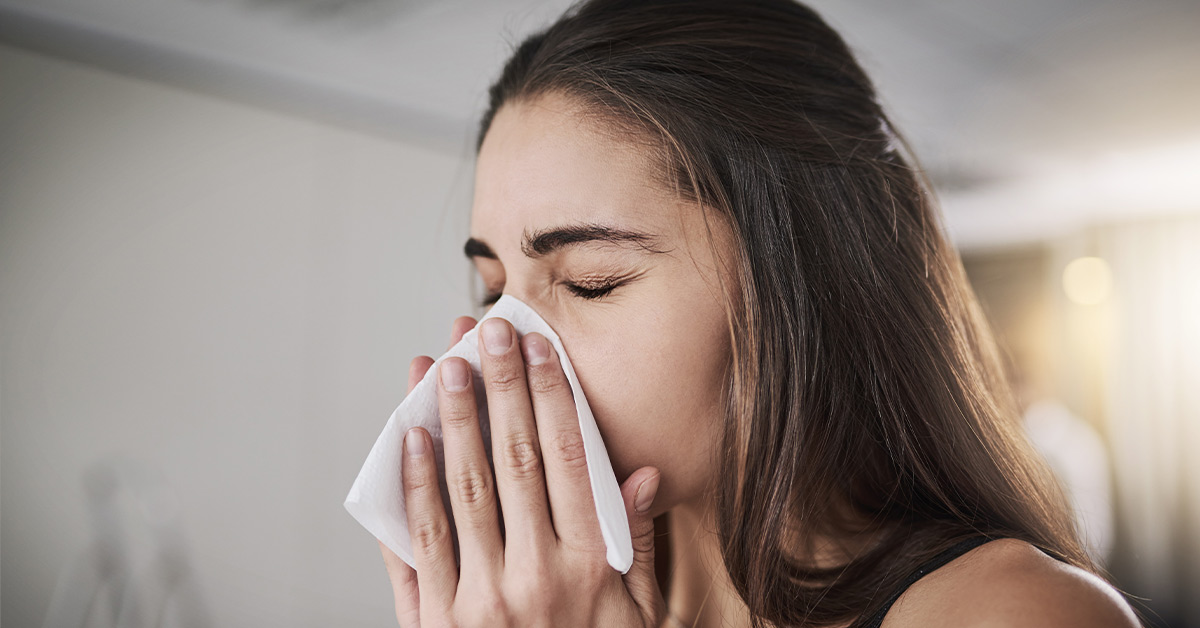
column 657, row 402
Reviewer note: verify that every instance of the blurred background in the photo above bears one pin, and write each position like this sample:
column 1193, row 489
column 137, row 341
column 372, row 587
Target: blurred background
column 226, row 226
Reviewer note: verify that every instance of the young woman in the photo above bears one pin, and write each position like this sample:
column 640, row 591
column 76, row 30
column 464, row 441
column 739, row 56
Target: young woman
column 791, row 374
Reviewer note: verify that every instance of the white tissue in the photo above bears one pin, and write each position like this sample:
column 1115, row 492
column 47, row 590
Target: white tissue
column 376, row 499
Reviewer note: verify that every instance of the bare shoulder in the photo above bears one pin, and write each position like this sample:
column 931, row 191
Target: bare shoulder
column 1010, row 583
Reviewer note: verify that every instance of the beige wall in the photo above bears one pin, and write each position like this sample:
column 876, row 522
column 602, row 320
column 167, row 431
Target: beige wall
column 226, row 295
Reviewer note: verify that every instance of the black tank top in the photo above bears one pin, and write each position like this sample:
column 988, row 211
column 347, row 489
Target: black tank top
column 937, row 561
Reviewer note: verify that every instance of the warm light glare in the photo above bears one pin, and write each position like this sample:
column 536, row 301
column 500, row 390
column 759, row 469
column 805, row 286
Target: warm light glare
column 1087, row 280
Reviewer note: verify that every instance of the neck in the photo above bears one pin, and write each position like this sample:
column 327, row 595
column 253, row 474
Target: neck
column 701, row 594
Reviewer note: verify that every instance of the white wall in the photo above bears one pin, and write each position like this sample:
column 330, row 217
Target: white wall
column 228, row 295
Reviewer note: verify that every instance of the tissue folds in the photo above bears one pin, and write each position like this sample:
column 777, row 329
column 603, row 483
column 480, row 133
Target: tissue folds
column 376, row 498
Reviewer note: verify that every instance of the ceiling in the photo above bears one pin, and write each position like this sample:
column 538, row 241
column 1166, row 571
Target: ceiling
column 996, row 96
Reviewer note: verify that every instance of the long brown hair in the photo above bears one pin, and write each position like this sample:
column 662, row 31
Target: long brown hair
column 866, row 390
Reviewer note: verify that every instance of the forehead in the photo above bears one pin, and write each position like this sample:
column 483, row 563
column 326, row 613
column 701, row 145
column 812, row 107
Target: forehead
column 545, row 162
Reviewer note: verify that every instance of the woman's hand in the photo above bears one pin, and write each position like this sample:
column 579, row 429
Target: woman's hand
column 550, row 569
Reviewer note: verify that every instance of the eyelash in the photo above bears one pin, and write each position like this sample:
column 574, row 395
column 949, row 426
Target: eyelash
column 590, row 294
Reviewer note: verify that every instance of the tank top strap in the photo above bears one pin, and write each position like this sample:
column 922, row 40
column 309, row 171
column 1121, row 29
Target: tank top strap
column 956, row 550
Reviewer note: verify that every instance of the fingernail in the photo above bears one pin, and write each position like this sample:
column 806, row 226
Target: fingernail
column 496, row 336
column 454, row 375
column 645, row 494
column 414, row 440
column 537, row 350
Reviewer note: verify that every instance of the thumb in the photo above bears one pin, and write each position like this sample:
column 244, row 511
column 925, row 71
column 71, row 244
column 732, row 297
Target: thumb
column 639, row 492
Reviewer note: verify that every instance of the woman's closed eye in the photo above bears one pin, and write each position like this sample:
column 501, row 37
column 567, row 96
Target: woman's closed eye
column 590, row 292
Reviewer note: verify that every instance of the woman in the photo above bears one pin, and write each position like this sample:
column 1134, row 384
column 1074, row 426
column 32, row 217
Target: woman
column 791, row 375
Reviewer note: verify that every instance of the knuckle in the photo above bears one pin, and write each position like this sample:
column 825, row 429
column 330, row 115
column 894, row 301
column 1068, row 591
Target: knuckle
column 568, row 447
column 547, row 382
column 419, row 480
column 523, row 461
column 505, row 379
column 430, row 533
column 643, row 544
column 472, row 486
column 459, row 418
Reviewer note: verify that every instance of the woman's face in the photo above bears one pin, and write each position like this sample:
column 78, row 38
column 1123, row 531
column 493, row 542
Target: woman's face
column 651, row 354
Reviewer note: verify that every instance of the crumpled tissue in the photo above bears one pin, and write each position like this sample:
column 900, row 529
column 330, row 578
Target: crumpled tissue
column 376, row 498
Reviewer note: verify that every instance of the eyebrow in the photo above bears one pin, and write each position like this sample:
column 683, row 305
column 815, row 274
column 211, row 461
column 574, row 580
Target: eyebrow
column 541, row 243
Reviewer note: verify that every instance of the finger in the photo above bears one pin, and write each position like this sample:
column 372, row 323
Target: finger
column 468, row 474
column 516, row 452
column 572, row 506
column 420, row 364
column 417, row 369
column 461, row 326
column 403, row 577
column 404, row 587
column 428, row 525
column 639, row 492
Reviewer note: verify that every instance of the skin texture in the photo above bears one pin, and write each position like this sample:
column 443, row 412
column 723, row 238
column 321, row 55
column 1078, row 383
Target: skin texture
column 652, row 357
column 1009, row 583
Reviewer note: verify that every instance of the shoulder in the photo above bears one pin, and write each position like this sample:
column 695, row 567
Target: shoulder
column 1005, row 583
